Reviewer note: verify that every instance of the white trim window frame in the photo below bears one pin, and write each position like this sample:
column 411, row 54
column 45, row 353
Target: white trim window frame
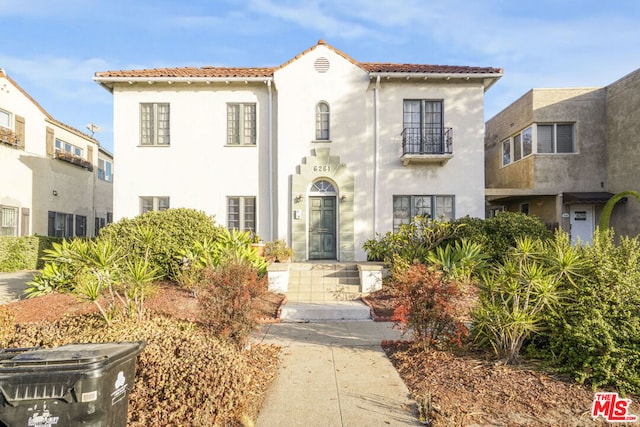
column 241, row 124
column 155, row 124
column 68, row 148
column 406, row 207
column 105, row 170
column 9, row 221
column 323, row 121
column 153, row 203
column 6, row 119
column 241, row 213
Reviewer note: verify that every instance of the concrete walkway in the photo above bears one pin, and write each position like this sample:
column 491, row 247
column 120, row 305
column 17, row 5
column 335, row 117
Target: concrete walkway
column 12, row 285
column 335, row 374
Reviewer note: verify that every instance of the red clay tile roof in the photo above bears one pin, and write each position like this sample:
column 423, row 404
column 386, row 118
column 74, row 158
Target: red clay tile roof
column 230, row 72
column 191, row 72
column 376, row 67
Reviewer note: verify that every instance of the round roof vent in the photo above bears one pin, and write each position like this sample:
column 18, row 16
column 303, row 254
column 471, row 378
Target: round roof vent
column 321, row 64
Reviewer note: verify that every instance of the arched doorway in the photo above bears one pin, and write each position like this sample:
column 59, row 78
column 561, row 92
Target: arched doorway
column 322, row 220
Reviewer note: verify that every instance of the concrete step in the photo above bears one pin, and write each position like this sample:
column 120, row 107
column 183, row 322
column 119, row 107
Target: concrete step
column 324, row 312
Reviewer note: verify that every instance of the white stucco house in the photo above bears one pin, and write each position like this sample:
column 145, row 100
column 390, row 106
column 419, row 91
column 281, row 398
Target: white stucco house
column 54, row 180
column 322, row 151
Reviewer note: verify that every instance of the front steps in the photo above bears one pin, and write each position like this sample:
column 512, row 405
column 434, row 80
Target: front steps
column 324, row 292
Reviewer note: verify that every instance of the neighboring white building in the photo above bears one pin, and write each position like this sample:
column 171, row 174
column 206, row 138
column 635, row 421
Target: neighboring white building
column 322, row 151
column 49, row 178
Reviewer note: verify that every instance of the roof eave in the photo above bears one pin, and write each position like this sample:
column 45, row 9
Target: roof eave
column 109, row 82
column 488, row 78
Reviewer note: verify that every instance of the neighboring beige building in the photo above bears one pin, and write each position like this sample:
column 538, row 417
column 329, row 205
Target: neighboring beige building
column 52, row 179
column 323, row 151
column 560, row 154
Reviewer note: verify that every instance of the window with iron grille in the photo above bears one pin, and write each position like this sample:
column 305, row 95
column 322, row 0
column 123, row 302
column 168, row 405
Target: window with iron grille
column 9, row 221
column 423, row 127
column 154, row 124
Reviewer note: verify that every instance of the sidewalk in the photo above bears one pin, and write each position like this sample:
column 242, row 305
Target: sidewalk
column 335, row 374
column 12, row 285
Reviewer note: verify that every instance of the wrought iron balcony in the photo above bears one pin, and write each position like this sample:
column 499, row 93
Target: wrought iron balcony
column 421, row 145
column 75, row 160
column 9, row 137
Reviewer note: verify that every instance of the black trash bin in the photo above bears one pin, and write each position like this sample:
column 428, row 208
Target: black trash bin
column 72, row 385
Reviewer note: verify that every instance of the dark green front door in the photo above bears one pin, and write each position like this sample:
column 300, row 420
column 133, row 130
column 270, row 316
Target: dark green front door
column 322, row 227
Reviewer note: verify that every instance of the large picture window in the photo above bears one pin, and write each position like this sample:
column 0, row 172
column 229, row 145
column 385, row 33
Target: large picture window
column 241, row 124
column 154, row 124
column 406, row 207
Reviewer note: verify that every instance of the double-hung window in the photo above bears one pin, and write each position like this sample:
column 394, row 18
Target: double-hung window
column 423, row 127
column 9, row 221
column 322, row 121
column 154, row 124
column 241, row 213
column 241, row 124
column 152, row 204
column 407, row 207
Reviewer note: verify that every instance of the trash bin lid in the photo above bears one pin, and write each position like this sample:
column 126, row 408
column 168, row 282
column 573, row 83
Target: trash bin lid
column 74, row 354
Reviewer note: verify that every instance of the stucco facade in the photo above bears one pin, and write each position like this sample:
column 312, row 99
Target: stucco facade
column 341, row 175
column 566, row 183
column 48, row 171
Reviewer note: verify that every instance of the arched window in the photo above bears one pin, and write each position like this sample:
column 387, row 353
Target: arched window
column 322, row 186
column 322, row 121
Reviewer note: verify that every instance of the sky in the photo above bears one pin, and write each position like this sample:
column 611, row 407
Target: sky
column 53, row 48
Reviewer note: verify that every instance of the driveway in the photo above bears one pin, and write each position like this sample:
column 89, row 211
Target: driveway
column 12, row 285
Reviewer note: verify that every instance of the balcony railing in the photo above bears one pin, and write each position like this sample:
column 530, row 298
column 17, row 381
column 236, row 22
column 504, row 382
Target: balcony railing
column 75, row 160
column 9, row 137
column 421, row 145
column 427, row 141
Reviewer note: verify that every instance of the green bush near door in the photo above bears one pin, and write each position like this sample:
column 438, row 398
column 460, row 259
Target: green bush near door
column 23, row 253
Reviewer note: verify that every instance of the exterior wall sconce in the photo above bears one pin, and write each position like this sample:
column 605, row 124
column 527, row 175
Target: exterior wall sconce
column 55, row 193
column 298, row 198
column 343, row 198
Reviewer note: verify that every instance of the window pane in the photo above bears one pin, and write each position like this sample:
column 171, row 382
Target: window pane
column 146, row 204
column 545, row 139
column 250, row 214
column 506, row 152
column 163, row 124
column 249, row 135
column 233, row 215
column 322, row 121
column 401, row 211
column 233, row 124
column 5, row 119
column 517, row 148
column 163, row 203
column 526, row 142
column 9, row 221
column 421, row 206
column 444, row 208
column 565, row 138
column 146, row 124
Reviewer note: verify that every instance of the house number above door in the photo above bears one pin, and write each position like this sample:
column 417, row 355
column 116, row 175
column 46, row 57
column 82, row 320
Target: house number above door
column 322, row 168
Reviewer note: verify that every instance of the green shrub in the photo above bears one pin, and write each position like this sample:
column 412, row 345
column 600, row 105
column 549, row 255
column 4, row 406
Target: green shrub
column 277, row 251
column 23, row 253
column 460, row 261
column 433, row 308
column 158, row 236
column 518, row 295
column 501, row 232
column 412, row 243
column 597, row 337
